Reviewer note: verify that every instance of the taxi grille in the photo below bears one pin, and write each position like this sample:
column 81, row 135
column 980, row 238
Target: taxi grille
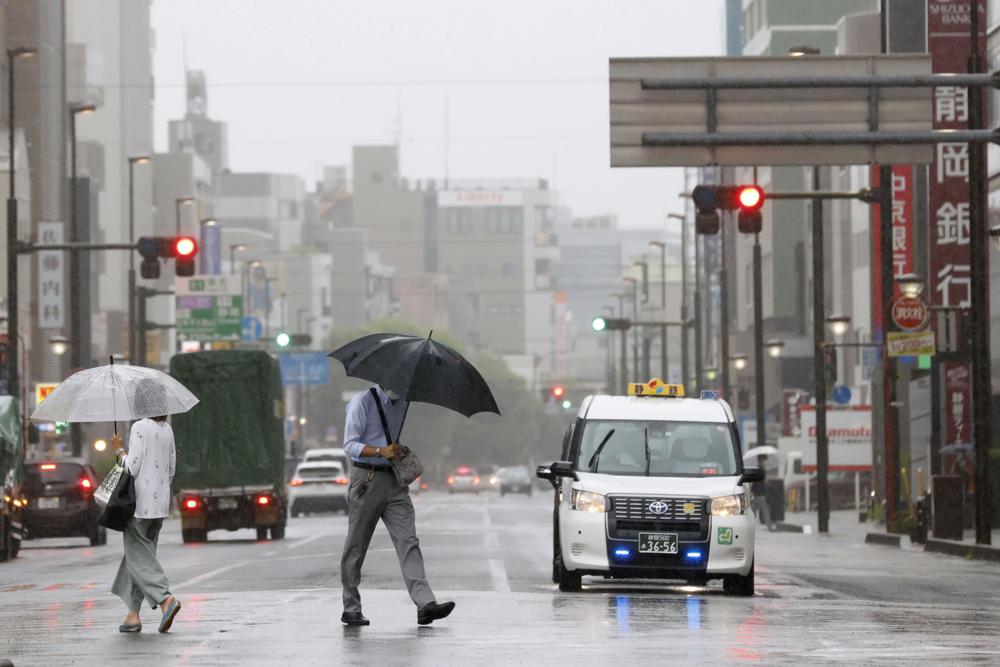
column 651, row 508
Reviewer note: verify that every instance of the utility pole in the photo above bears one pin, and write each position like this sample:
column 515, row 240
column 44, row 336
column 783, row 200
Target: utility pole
column 758, row 341
column 979, row 259
column 699, row 362
column 819, row 367
column 724, row 312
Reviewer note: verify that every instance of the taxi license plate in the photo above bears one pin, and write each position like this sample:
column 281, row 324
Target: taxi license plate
column 657, row 543
column 48, row 503
column 227, row 503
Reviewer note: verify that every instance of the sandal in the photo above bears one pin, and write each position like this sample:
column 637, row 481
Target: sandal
column 130, row 627
column 168, row 615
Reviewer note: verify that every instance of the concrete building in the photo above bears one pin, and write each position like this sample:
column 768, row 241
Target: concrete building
column 196, row 132
column 496, row 242
column 111, row 42
column 270, row 205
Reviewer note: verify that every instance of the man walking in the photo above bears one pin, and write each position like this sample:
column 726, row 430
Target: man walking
column 375, row 494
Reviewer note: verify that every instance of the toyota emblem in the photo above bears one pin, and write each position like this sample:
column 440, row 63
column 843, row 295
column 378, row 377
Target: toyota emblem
column 658, row 507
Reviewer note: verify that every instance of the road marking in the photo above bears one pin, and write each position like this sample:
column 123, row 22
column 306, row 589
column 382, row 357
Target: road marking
column 209, row 575
column 499, row 574
column 308, row 540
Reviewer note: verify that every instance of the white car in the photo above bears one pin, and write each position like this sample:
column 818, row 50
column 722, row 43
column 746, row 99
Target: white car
column 336, row 454
column 652, row 486
column 318, row 486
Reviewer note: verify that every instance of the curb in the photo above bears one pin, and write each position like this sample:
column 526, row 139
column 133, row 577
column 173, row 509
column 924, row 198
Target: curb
column 968, row 551
column 888, row 540
column 783, row 527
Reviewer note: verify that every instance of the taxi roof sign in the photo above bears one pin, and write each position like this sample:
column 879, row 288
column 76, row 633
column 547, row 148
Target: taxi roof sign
column 656, row 387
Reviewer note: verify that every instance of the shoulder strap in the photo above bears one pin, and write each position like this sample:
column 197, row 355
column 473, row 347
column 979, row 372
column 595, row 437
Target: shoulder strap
column 381, row 415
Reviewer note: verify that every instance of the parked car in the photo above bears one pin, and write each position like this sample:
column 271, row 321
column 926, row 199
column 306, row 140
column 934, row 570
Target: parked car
column 463, row 479
column 60, row 501
column 318, row 486
column 515, row 479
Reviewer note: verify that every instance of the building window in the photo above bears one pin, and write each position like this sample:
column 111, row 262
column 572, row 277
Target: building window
column 509, row 270
column 459, row 221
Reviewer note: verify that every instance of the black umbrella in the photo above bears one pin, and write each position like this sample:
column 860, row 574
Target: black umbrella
column 418, row 369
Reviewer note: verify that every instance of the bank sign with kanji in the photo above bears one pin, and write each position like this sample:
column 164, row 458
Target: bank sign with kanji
column 209, row 308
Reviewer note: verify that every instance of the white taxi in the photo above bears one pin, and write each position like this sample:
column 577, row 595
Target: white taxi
column 652, row 486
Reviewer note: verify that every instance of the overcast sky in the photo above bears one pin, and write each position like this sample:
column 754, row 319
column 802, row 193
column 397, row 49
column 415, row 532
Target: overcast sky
column 520, row 85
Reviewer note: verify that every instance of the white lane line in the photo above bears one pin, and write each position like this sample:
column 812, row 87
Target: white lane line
column 308, row 540
column 499, row 574
column 209, row 575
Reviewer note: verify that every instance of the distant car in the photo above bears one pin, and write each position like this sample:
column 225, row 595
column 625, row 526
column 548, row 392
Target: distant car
column 463, row 479
column 318, row 486
column 328, row 454
column 61, row 501
column 515, row 479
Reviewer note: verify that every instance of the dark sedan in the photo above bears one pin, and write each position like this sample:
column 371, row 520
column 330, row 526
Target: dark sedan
column 61, row 503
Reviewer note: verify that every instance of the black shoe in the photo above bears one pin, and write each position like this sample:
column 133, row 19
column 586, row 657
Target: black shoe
column 433, row 612
column 354, row 618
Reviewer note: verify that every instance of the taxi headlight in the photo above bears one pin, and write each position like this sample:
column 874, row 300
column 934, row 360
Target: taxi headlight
column 585, row 501
column 728, row 505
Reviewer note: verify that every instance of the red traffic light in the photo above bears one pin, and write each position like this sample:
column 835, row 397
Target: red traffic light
column 558, row 391
column 750, row 197
column 185, row 246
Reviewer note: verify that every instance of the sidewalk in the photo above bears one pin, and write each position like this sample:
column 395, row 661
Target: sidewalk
column 845, row 524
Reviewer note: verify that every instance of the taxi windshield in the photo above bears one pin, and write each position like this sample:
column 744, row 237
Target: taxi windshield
column 657, row 449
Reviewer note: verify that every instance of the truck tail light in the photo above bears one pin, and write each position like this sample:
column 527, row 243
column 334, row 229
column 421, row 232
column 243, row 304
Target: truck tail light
column 191, row 504
column 262, row 501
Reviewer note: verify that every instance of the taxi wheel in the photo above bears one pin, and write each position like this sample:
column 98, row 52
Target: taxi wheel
column 569, row 582
column 740, row 586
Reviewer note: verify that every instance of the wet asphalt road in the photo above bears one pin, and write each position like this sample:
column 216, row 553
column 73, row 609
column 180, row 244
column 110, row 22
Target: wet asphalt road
column 822, row 599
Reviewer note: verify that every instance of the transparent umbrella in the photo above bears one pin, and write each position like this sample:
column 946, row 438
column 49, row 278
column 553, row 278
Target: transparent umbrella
column 115, row 393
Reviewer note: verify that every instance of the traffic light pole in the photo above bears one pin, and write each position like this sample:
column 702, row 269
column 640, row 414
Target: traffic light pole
column 819, row 367
column 699, row 361
column 758, row 342
column 724, row 314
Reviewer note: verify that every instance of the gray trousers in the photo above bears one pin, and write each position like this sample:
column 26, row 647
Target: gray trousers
column 140, row 575
column 384, row 499
column 759, row 503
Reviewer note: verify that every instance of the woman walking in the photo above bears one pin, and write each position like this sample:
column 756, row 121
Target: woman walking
column 151, row 460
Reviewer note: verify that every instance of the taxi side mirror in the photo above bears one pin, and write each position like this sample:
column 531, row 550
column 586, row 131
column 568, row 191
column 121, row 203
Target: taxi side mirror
column 563, row 469
column 543, row 472
column 751, row 475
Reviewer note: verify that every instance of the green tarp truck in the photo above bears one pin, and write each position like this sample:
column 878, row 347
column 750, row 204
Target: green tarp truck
column 231, row 446
column 11, row 498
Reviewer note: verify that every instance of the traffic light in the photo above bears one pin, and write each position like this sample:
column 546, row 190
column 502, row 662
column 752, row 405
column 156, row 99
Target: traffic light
column 284, row 339
column 610, row 324
column 750, row 199
column 182, row 249
column 185, row 248
column 710, row 199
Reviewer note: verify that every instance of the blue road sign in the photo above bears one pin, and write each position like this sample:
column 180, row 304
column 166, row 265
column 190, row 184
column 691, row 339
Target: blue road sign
column 841, row 394
column 253, row 329
column 299, row 368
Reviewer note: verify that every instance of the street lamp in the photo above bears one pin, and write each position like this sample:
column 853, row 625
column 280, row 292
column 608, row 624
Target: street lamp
column 774, row 347
column 233, row 249
column 635, row 316
column 911, row 284
column 711, row 374
column 76, row 279
column 132, row 161
column 839, row 324
column 663, row 304
column 13, row 381
column 685, row 361
column 181, row 201
column 58, row 345
column 739, row 361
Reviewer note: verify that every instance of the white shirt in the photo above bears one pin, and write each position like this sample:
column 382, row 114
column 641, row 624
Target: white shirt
column 151, row 460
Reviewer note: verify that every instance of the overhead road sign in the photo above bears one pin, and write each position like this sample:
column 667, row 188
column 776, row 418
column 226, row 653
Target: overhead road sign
column 304, row 368
column 209, row 308
column 672, row 112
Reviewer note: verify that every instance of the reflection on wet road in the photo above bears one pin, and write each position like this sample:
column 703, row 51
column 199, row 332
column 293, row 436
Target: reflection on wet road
column 819, row 599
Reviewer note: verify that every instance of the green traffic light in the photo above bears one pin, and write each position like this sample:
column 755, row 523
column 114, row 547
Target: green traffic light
column 282, row 339
column 599, row 324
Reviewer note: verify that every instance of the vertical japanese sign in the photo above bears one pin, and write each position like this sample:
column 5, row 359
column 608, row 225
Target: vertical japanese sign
column 902, row 235
column 51, row 277
column 957, row 399
column 948, row 25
